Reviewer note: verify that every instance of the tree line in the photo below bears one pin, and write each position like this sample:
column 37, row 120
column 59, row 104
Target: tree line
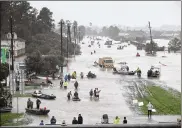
column 38, row 29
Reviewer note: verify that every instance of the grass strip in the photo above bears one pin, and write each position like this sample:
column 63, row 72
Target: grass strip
column 164, row 101
column 7, row 119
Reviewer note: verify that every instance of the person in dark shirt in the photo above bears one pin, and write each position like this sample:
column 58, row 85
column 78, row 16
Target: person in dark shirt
column 69, row 77
column 80, row 119
column 125, row 120
column 91, row 93
column 53, row 120
column 61, row 83
column 38, row 102
column 74, row 121
column 76, row 84
column 95, row 92
column 69, row 95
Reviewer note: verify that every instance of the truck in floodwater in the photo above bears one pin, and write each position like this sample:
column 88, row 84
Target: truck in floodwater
column 106, row 62
column 108, row 42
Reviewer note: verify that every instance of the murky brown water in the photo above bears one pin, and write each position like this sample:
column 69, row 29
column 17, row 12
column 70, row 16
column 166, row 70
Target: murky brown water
column 111, row 100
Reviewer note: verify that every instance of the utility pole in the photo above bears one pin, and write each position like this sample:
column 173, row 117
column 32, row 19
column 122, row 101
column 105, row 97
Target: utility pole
column 69, row 34
column 151, row 42
column 74, row 38
column 12, row 37
column 79, row 35
column 68, row 40
column 12, row 54
column 62, row 44
column 0, row 52
column 0, row 34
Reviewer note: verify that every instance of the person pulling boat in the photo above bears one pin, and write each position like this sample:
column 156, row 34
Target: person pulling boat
column 81, row 75
column 69, row 95
column 76, row 85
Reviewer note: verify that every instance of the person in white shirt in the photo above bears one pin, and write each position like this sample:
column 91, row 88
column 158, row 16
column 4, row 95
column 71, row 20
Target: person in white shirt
column 150, row 106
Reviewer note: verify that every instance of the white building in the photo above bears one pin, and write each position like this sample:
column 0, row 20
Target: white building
column 18, row 45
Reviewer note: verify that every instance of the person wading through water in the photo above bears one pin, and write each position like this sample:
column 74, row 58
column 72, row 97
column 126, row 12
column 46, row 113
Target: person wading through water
column 38, row 102
column 91, row 93
column 69, row 95
column 81, row 75
column 97, row 93
column 61, row 82
column 76, row 95
column 69, row 77
column 76, row 85
column 65, row 84
column 66, row 77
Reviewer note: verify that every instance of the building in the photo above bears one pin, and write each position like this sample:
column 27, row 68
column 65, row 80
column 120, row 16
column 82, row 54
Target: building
column 18, row 45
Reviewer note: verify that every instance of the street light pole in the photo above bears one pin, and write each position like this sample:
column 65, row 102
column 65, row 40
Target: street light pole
column 151, row 38
column 61, row 45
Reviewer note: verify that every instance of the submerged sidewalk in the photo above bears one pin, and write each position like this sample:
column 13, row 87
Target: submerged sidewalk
column 155, row 119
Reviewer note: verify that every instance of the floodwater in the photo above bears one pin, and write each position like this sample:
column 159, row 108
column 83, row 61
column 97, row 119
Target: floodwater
column 111, row 101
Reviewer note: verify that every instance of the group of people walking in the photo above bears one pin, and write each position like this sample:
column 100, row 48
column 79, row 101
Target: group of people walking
column 95, row 93
column 69, row 95
column 74, row 121
column 93, row 52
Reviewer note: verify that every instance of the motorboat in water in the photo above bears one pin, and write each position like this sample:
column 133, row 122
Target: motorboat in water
column 123, row 71
column 38, row 94
column 91, row 75
column 76, row 99
column 119, row 47
column 154, row 71
column 37, row 111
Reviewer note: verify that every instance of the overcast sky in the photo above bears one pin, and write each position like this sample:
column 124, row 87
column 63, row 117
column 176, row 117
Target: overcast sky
column 128, row 13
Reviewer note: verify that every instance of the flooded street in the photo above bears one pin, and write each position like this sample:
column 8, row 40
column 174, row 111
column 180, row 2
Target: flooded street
column 111, row 101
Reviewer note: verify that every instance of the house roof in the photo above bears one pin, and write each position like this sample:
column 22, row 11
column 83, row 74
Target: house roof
column 4, row 37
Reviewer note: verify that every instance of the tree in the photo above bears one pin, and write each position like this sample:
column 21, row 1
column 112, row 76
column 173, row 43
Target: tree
column 4, row 71
column 34, row 62
column 82, row 30
column 112, row 32
column 151, row 47
column 75, row 25
column 174, row 44
column 45, row 20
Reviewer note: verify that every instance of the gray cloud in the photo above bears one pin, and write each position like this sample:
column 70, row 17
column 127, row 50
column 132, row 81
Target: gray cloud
column 127, row 13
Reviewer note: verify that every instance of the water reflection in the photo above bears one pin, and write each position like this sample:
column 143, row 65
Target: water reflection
column 111, row 99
